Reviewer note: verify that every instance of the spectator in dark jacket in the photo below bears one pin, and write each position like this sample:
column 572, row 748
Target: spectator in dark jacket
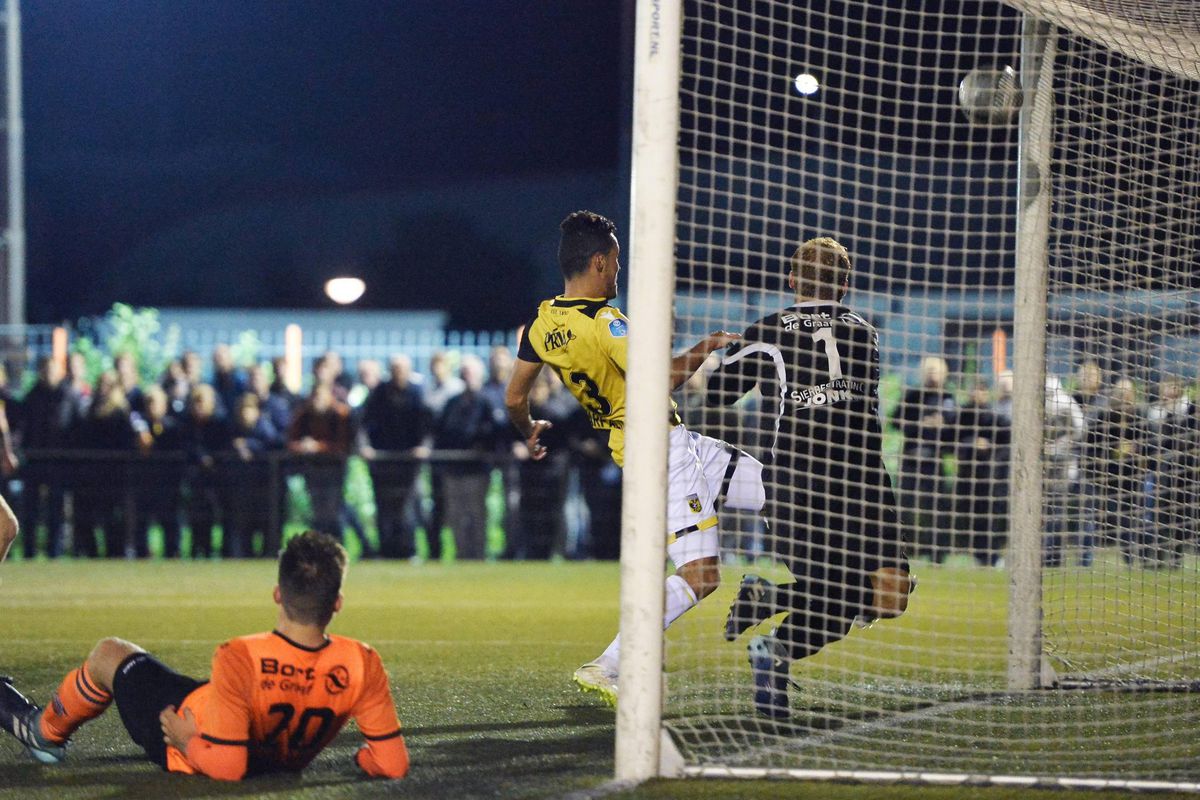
column 279, row 401
column 926, row 416
column 227, row 379
column 158, row 482
column 468, row 428
column 330, row 370
column 193, row 367
column 500, row 365
column 99, row 487
column 205, row 435
column 77, row 376
column 246, row 478
column 127, row 372
column 396, row 426
column 439, row 388
column 1115, row 458
column 48, row 413
column 321, row 434
column 981, row 478
column 178, row 388
column 1173, row 447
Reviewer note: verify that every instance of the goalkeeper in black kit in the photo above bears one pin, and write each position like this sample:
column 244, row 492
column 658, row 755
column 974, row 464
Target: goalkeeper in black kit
column 830, row 504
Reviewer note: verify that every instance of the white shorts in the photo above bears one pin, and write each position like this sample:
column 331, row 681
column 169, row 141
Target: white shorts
column 734, row 476
column 691, row 516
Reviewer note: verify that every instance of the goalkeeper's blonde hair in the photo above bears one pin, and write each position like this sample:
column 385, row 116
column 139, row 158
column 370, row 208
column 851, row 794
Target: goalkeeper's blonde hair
column 821, row 268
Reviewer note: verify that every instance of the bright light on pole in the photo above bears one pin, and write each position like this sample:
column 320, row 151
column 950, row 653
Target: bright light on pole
column 806, row 84
column 344, row 291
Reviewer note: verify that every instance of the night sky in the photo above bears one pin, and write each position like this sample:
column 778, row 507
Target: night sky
column 157, row 130
column 240, row 152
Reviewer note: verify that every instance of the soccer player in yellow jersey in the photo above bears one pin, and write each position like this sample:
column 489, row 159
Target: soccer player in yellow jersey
column 583, row 338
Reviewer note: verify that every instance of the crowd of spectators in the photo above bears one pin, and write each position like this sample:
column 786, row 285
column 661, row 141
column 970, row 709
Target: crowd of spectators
column 92, row 466
column 1121, row 467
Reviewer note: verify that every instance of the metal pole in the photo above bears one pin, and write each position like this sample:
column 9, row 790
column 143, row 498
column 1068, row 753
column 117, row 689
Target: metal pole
column 14, row 235
column 651, row 287
column 1029, row 356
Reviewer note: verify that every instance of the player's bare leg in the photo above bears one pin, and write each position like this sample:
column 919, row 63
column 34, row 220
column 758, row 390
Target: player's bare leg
column 106, row 657
column 691, row 583
column 84, row 694
column 703, row 576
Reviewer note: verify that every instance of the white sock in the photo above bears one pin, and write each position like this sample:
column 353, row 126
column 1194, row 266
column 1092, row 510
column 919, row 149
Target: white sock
column 679, row 598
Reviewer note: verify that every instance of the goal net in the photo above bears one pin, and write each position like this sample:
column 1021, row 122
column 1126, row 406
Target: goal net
column 1018, row 187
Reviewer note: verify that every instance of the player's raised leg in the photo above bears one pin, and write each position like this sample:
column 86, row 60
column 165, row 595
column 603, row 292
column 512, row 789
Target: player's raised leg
column 691, row 583
column 753, row 604
column 84, row 694
column 822, row 606
column 693, row 547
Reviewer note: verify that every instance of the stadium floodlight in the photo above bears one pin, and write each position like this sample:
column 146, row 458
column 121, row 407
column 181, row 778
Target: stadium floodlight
column 1018, row 185
column 344, row 290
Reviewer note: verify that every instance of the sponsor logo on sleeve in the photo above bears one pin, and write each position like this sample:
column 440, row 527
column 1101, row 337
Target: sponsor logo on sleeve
column 337, row 680
column 618, row 328
column 694, row 503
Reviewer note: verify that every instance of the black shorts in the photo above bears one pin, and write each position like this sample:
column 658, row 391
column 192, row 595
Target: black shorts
column 142, row 687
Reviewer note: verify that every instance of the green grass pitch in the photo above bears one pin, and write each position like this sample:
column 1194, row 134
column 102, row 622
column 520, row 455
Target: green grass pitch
column 480, row 657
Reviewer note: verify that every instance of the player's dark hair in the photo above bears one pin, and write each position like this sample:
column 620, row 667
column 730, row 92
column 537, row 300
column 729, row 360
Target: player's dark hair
column 311, row 568
column 584, row 234
column 822, row 269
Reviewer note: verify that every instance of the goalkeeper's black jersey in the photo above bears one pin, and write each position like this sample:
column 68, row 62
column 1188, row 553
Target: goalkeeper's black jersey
column 817, row 367
column 831, row 501
column 829, row 497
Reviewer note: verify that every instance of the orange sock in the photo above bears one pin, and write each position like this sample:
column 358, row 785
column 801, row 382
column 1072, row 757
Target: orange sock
column 77, row 700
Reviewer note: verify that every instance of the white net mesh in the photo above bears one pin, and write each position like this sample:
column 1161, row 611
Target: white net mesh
column 919, row 179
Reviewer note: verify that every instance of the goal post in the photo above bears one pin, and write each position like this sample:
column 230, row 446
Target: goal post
column 1029, row 358
column 651, row 288
column 1018, row 185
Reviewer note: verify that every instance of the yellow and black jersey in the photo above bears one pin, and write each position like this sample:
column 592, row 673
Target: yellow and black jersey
column 585, row 341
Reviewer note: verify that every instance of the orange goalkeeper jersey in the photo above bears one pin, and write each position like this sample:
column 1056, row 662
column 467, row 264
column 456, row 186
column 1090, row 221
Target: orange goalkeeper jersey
column 280, row 703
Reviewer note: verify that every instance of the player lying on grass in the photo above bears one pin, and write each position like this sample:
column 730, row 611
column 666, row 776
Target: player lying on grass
column 583, row 339
column 832, row 511
column 274, row 701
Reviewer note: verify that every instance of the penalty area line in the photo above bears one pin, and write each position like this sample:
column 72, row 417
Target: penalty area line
column 930, row 711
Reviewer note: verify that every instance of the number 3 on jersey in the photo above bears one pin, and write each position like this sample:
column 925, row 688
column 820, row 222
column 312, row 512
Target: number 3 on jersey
column 825, row 337
column 596, row 402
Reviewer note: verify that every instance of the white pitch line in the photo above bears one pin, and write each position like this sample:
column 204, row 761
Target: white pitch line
column 928, row 712
column 1123, row 669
